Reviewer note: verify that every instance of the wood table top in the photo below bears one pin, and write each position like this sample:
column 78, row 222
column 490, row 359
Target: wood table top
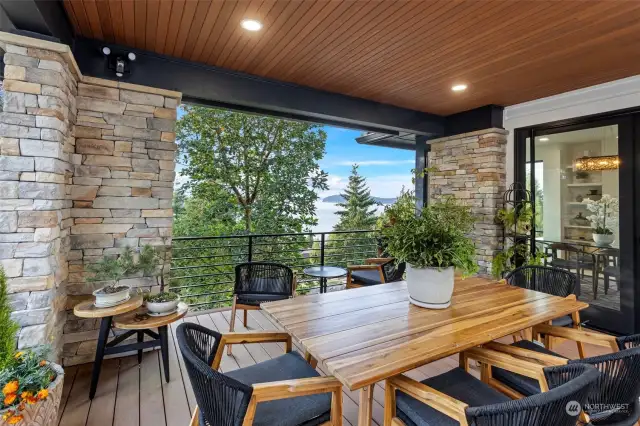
column 140, row 320
column 87, row 309
column 367, row 334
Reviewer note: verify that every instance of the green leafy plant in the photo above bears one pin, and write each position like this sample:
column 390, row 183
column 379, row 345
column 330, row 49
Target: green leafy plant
column 167, row 296
column 8, row 327
column 515, row 256
column 519, row 217
column 113, row 269
column 435, row 238
column 25, row 380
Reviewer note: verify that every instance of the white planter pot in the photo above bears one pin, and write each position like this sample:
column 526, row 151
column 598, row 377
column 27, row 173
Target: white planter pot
column 429, row 287
column 162, row 307
column 105, row 300
column 604, row 239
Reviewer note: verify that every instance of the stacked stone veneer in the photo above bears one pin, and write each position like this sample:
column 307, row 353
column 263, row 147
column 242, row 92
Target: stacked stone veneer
column 86, row 169
column 472, row 167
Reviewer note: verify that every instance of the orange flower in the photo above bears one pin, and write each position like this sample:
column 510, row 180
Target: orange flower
column 26, row 394
column 15, row 419
column 21, row 406
column 11, row 387
column 10, row 399
column 43, row 394
column 18, row 355
column 32, row 400
column 8, row 414
column 43, row 363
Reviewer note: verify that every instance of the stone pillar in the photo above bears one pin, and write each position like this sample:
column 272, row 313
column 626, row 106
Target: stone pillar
column 122, row 189
column 36, row 146
column 472, row 167
column 86, row 169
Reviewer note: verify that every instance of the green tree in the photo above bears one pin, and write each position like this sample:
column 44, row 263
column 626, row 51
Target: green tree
column 359, row 207
column 268, row 167
column 8, row 328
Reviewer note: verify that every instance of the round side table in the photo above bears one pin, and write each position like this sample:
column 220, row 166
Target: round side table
column 324, row 273
column 140, row 322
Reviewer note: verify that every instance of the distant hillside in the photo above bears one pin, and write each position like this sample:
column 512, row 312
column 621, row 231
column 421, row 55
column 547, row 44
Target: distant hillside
column 339, row 199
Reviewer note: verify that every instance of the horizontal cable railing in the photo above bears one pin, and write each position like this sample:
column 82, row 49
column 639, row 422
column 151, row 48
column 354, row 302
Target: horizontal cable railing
column 203, row 268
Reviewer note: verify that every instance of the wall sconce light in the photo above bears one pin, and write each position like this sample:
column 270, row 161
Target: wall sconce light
column 119, row 62
column 605, row 162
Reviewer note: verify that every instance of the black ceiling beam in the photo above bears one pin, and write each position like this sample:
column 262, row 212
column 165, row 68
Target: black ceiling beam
column 37, row 18
column 216, row 86
column 485, row 117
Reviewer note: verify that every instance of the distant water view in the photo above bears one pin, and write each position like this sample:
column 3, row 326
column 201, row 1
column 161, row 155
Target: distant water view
column 327, row 217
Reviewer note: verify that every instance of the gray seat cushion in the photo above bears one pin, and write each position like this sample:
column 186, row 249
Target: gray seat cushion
column 366, row 277
column 564, row 321
column 300, row 411
column 257, row 299
column 525, row 385
column 456, row 383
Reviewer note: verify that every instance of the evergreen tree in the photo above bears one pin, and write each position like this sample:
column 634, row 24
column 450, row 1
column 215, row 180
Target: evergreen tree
column 359, row 207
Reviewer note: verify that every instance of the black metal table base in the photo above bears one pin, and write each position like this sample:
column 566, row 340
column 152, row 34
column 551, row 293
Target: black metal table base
column 160, row 339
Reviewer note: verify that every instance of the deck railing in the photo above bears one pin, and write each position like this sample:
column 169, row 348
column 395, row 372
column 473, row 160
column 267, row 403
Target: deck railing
column 203, row 268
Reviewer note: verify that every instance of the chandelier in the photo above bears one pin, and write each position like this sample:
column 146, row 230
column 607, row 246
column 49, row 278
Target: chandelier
column 605, row 162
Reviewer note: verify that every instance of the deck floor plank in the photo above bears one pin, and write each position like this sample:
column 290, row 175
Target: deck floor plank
column 104, row 403
column 128, row 393
column 133, row 395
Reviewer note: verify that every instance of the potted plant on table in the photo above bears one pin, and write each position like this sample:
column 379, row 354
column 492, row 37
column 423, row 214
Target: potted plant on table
column 164, row 302
column 434, row 243
column 604, row 218
column 31, row 386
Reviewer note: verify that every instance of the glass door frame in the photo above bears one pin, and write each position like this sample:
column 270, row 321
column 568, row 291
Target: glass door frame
column 627, row 320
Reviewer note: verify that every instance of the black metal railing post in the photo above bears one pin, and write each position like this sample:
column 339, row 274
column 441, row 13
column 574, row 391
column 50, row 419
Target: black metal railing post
column 250, row 249
column 322, row 249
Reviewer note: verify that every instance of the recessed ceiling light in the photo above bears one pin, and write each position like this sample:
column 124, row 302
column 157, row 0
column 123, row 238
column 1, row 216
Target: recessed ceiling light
column 544, row 139
column 459, row 87
column 251, row 25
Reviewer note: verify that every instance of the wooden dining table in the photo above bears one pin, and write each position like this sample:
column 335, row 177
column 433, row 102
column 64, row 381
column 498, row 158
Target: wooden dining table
column 365, row 335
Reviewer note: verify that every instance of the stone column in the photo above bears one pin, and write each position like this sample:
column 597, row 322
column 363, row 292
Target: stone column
column 122, row 188
column 36, row 146
column 472, row 167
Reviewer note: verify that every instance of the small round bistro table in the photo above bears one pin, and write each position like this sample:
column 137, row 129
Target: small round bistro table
column 325, row 273
column 128, row 312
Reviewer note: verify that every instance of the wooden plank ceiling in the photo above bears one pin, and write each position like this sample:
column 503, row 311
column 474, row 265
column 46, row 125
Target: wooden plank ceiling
column 404, row 53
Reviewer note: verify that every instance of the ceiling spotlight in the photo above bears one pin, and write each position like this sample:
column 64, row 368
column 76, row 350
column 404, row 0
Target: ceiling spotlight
column 131, row 56
column 459, row 87
column 544, row 139
column 251, row 25
column 106, row 51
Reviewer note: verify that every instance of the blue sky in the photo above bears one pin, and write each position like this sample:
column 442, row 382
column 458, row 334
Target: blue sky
column 386, row 169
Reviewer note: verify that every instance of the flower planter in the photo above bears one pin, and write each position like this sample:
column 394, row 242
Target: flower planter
column 44, row 412
column 429, row 287
column 161, row 308
column 106, row 300
column 604, row 240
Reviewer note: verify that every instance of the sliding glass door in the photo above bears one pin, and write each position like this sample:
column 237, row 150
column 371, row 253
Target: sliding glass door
column 581, row 178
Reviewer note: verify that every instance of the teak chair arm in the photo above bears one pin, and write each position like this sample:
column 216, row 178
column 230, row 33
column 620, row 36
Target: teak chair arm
column 423, row 393
column 578, row 335
column 544, row 359
column 270, row 391
column 526, row 365
column 363, row 267
column 377, row 260
column 240, row 338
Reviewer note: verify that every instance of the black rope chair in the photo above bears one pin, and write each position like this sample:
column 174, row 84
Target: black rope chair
column 555, row 281
column 265, row 394
column 258, row 282
column 376, row 270
column 456, row 397
column 614, row 399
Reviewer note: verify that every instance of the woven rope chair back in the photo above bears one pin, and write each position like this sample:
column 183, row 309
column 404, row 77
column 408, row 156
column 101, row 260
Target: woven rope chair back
column 264, row 278
column 569, row 386
column 618, row 387
column 222, row 400
column 393, row 271
column 557, row 282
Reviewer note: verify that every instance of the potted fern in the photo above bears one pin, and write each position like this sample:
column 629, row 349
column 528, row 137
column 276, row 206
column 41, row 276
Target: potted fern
column 433, row 243
column 113, row 269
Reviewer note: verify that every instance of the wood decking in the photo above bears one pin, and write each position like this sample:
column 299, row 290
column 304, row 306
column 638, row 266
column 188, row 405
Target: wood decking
column 137, row 395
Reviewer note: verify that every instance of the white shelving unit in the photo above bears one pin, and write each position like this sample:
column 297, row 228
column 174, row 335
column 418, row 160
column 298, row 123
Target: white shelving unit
column 582, row 185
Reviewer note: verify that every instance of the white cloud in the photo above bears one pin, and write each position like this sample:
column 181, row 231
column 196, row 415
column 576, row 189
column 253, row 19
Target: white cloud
column 385, row 186
column 372, row 162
